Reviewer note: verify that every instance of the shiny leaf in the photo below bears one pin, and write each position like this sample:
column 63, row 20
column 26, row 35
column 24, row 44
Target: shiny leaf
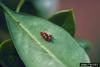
column 45, row 7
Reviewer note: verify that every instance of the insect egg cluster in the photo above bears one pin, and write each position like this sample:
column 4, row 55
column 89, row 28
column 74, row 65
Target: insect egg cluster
column 46, row 36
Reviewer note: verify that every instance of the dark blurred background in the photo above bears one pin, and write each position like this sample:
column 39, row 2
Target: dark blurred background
column 87, row 14
column 87, row 22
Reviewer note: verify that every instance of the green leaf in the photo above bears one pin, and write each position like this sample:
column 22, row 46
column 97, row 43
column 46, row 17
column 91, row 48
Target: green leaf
column 45, row 8
column 62, row 51
column 8, row 55
column 65, row 19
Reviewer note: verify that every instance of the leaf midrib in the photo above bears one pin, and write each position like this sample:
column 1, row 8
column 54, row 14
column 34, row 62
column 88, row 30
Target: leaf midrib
column 30, row 35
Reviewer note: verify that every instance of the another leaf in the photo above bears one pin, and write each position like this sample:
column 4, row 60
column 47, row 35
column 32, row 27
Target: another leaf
column 9, row 56
column 65, row 19
column 45, row 8
column 62, row 51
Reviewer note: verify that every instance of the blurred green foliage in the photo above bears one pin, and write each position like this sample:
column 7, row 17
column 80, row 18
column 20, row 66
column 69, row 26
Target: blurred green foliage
column 8, row 55
column 66, row 20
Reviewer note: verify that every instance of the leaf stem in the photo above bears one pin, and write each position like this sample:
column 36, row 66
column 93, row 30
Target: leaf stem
column 6, row 41
column 19, row 5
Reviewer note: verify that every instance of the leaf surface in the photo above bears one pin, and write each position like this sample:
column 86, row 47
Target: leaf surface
column 62, row 51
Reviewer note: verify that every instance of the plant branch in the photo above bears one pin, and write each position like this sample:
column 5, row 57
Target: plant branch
column 20, row 5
